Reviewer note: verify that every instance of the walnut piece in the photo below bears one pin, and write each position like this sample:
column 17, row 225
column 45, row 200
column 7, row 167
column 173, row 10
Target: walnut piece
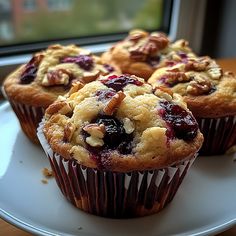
column 89, row 76
column 61, row 107
column 57, row 77
column 215, row 72
column 196, row 65
column 94, row 141
column 172, row 77
column 114, row 103
column 68, row 131
column 136, row 35
column 138, row 54
column 204, row 64
column 164, row 92
column 160, row 40
column 149, row 47
column 97, row 133
column 128, row 125
column 199, row 86
column 95, row 130
column 76, row 86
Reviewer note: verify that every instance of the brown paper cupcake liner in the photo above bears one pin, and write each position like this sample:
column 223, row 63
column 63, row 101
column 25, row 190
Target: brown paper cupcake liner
column 29, row 118
column 115, row 194
column 219, row 134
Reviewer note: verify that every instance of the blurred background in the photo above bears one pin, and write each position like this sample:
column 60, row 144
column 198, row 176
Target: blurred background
column 23, row 21
column 29, row 25
column 34, row 21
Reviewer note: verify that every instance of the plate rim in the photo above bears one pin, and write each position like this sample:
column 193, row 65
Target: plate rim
column 42, row 232
column 15, row 221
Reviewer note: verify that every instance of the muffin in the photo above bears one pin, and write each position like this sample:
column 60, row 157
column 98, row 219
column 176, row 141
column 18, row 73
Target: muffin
column 119, row 149
column 209, row 93
column 50, row 73
column 142, row 53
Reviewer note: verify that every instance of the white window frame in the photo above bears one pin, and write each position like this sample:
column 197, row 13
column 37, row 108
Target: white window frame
column 187, row 22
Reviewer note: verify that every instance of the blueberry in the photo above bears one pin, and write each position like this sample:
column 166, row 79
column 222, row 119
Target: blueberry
column 109, row 68
column 29, row 74
column 85, row 62
column 30, row 71
column 153, row 61
column 105, row 94
column 115, row 136
column 182, row 123
column 114, row 130
column 119, row 82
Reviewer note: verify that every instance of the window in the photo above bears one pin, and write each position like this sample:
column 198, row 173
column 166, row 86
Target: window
column 87, row 22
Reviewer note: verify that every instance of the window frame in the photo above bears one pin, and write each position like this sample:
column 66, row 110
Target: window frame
column 191, row 29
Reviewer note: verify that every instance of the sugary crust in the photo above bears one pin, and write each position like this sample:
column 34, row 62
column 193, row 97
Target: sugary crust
column 219, row 103
column 151, row 148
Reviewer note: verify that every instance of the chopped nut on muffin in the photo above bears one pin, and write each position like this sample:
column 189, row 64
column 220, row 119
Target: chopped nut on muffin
column 140, row 53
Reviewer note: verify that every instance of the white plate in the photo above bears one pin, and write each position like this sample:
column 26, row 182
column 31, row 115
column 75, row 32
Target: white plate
column 205, row 203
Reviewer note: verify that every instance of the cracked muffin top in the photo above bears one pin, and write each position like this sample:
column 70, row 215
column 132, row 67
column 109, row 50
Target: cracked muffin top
column 140, row 53
column 52, row 72
column 208, row 91
column 120, row 123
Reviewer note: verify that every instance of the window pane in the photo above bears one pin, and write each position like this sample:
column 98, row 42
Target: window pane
column 23, row 21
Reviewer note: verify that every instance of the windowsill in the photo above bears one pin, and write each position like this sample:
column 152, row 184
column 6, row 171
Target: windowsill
column 21, row 59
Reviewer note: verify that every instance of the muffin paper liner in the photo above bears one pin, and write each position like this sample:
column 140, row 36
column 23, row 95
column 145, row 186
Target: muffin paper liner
column 219, row 134
column 29, row 118
column 115, row 194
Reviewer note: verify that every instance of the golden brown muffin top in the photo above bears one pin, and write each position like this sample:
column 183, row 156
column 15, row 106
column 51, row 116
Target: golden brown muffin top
column 150, row 47
column 51, row 72
column 141, row 52
column 208, row 91
column 120, row 123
